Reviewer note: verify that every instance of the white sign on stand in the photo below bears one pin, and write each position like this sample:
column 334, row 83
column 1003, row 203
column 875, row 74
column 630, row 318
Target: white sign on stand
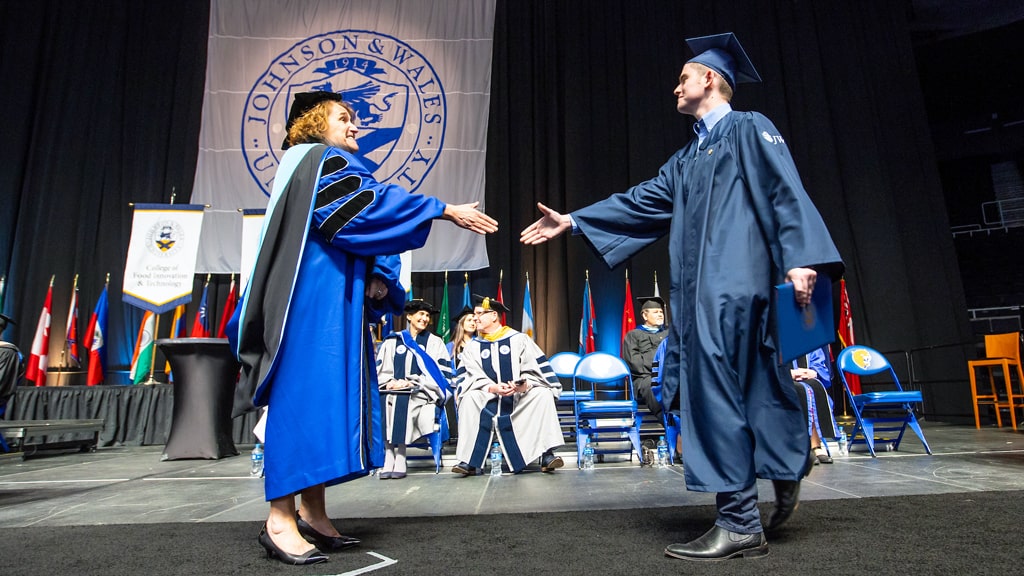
column 162, row 255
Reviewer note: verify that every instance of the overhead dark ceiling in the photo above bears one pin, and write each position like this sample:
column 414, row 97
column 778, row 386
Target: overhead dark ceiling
column 935, row 20
column 968, row 59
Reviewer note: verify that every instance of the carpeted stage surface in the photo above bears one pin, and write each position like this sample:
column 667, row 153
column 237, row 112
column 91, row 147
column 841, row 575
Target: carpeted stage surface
column 961, row 534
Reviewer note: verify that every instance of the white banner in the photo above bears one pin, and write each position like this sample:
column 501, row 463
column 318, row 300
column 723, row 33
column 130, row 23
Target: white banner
column 252, row 228
column 162, row 255
column 417, row 73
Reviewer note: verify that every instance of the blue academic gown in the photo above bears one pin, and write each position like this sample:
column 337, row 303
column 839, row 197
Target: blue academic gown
column 303, row 338
column 738, row 218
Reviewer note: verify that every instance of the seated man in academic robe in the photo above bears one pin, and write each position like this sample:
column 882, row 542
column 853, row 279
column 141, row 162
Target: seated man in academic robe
column 505, row 387
column 639, row 346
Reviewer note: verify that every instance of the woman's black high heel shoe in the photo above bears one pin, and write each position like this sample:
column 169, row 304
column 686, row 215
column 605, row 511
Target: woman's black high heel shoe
column 323, row 541
column 314, row 556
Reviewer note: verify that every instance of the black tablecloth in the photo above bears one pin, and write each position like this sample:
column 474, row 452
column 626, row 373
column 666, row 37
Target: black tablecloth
column 205, row 372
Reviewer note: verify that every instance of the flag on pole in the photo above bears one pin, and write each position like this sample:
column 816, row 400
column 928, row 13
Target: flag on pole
column 527, row 310
column 500, row 298
column 177, row 331
column 628, row 315
column 178, row 328
column 35, row 371
column 587, row 321
column 845, row 332
column 94, row 340
column 229, row 309
column 201, row 324
column 467, row 299
column 71, row 331
column 444, row 320
column 142, row 357
column 657, row 292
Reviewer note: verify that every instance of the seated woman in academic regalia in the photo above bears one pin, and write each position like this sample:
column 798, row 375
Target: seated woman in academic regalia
column 413, row 374
column 812, row 376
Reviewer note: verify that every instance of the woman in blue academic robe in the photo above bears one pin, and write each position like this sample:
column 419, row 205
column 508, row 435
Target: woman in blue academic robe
column 328, row 258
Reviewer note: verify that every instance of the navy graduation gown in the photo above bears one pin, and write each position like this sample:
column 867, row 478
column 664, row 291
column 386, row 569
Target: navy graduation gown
column 738, row 218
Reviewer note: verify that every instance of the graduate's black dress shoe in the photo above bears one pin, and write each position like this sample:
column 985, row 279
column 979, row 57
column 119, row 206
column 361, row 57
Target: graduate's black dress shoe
column 323, row 541
column 314, row 556
column 720, row 544
column 821, row 456
column 787, row 498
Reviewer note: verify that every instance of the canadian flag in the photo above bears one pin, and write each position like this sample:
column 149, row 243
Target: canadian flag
column 37, row 362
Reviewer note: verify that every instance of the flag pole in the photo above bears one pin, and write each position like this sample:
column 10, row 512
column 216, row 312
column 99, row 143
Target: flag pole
column 152, row 354
column 63, row 352
column 46, row 369
column 3, row 285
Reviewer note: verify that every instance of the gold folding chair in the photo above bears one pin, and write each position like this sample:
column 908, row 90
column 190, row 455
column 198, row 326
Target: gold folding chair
column 1001, row 351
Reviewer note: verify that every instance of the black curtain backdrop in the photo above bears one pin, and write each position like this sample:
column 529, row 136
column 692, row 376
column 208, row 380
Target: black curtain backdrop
column 102, row 108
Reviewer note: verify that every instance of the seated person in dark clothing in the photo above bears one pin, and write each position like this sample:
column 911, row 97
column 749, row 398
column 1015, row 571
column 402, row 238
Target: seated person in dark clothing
column 639, row 346
column 10, row 371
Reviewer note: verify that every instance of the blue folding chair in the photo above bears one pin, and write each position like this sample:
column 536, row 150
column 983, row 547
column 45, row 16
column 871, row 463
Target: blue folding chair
column 669, row 421
column 564, row 366
column 604, row 395
column 891, row 408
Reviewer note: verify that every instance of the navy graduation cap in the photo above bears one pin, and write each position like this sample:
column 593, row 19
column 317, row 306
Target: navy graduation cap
column 723, row 54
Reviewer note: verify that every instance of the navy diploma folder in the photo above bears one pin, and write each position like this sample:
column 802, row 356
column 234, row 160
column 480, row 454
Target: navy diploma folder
column 801, row 329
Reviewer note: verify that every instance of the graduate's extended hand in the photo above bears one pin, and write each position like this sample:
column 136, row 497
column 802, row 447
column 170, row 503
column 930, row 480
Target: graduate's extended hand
column 803, row 280
column 468, row 217
column 551, row 225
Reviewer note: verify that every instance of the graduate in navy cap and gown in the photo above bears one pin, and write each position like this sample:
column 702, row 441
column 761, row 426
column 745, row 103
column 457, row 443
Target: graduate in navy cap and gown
column 739, row 221
column 328, row 259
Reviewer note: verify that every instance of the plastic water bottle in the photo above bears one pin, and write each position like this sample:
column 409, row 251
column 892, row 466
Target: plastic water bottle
column 495, row 460
column 588, row 456
column 662, row 453
column 843, row 447
column 256, row 471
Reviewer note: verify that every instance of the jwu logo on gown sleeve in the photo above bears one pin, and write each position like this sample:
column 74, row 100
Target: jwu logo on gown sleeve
column 400, row 105
column 772, row 139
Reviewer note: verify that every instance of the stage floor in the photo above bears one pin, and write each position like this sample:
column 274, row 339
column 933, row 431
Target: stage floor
column 131, row 485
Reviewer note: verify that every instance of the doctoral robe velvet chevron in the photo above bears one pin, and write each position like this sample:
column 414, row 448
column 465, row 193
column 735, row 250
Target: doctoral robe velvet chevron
column 303, row 339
